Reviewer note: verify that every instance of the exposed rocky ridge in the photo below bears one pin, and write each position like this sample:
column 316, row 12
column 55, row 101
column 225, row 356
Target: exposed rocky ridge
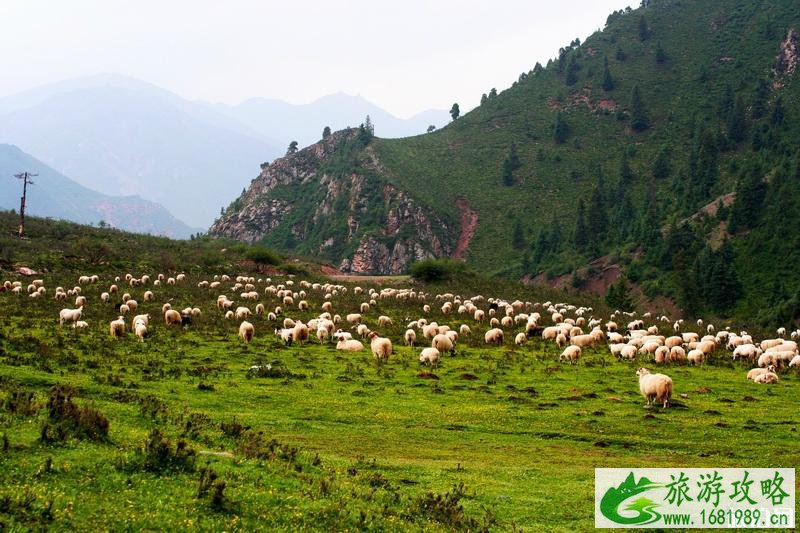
column 349, row 216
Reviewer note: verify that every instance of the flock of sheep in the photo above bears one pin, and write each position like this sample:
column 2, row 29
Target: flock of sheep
column 573, row 329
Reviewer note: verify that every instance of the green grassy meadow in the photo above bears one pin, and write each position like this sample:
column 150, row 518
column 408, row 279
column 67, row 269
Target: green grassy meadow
column 493, row 438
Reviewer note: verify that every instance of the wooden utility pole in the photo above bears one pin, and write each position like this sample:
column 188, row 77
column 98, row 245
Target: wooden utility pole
column 26, row 179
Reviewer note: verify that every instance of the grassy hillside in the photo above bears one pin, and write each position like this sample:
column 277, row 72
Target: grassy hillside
column 714, row 112
column 181, row 432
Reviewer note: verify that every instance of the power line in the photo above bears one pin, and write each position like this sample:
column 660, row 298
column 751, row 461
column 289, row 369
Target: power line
column 26, row 180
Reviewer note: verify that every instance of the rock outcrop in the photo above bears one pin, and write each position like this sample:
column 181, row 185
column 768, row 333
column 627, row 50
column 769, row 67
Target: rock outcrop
column 330, row 201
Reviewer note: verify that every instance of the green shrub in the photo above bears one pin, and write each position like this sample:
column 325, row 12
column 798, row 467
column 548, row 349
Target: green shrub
column 431, row 270
column 263, row 256
column 66, row 419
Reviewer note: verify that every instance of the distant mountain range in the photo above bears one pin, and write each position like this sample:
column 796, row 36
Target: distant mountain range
column 121, row 136
column 57, row 196
column 282, row 122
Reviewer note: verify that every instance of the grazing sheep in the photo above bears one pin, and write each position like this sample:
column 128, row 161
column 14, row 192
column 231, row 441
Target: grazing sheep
column 494, row 336
column 246, row 331
column 300, row 333
column 628, row 352
column 349, row 345
column 144, row 319
column 464, row 330
column 353, row 318
column 133, row 305
column 429, row 356
column 656, row 387
column 384, row 321
column 80, row 324
column 677, row 354
column 443, row 343
column 410, row 337
column 140, row 328
column 69, row 315
column 695, row 357
column 117, row 328
column 172, row 317
column 661, row 354
column 795, row 361
column 381, row 347
column 149, row 296
column 243, row 313
column 520, row 339
column 571, row 353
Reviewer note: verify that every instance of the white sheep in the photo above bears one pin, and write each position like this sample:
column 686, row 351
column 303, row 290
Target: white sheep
column 117, row 328
column 69, row 315
column 656, row 387
column 429, row 356
column 410, row 337
column 695, row 357
column 349, row 345
column 381, row 347
column 246, row 331
column 494, row 336
column 140, row 329
column 443, row 343
column 571, row 353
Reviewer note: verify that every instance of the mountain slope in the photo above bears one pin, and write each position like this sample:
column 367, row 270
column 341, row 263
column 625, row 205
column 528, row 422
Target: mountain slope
column 606, row 155
column 132, row 138
column 55, row 195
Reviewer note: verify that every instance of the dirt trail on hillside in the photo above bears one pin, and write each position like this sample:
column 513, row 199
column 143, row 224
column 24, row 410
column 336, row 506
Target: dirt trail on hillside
column 469, row 223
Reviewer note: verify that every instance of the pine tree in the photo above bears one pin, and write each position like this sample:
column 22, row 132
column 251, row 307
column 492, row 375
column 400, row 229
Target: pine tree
column 560, row 129
column 644, row 30
column 661, row 165
column 326, row 132
column 625, row 173
column 518, row 236
column 455, row 112
column 619, row 296
column 510, row 164
column 760, row 97
column 292, row 147
column 580, row 238
column 747, row 205
column 484, row 98
column 639, row 119
column 661, row 55
column 493, row 93
column 777, row 115
column 608, row 79
column 571, row 77
column 737, row 121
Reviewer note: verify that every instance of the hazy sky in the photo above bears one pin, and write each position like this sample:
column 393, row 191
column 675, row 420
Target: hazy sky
column 405, row 56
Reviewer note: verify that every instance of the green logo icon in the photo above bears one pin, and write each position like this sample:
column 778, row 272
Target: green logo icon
column 614, row 498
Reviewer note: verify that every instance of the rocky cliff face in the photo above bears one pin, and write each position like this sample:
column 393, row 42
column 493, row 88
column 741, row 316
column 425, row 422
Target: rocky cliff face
column 330, row 201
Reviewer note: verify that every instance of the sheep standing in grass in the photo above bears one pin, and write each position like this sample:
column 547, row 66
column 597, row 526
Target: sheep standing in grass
column 520, row 339
column 429, row 356
column 246, row 331
column 410, row 337
column 695, row 356
column 656, row 387
column 140, row 329
column 117, row 328
column 494, row 336
column 69, row 315
column 172, row 317
column 571, row 353
column 381, row 347
column 80, row 324
column 443, row 343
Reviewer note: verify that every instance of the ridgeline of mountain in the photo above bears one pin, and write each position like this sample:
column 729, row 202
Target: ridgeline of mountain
column 283, row 122
column 664, row 148
column 56, row 196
